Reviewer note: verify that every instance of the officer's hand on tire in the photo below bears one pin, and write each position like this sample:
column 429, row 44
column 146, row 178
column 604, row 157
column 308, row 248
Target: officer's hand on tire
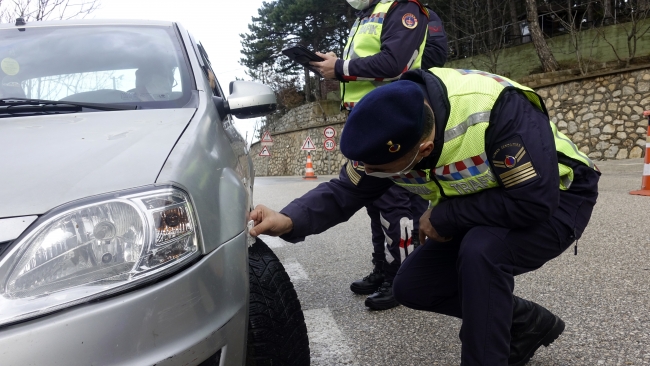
column 269, row 222
column 428, row 231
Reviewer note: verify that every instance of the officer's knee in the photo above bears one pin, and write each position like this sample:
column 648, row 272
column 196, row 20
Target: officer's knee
column 475, row 247
column 418, row 299
column 400, row 290
column 405, row 295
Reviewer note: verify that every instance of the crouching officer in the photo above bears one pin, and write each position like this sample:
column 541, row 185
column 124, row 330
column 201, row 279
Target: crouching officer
column 508, row 192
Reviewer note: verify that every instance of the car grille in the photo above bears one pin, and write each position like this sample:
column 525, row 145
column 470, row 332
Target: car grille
column 3, row 246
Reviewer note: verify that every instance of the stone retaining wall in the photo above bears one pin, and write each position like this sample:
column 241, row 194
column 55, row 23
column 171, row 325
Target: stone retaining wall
column 290, row 133
column 602, row 114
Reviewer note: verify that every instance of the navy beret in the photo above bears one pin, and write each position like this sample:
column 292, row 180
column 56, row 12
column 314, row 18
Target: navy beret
column 385, row 124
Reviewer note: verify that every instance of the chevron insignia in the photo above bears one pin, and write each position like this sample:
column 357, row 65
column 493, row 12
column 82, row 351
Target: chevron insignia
column 512, row 165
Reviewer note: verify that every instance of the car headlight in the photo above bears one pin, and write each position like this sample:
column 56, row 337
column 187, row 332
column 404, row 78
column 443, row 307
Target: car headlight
column 89, row 249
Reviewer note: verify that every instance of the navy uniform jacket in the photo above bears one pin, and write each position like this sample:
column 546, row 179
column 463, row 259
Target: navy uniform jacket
column 536, row 200
column 398, row 44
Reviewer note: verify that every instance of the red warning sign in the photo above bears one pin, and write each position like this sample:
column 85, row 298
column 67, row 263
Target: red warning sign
column 265, row 152
column 308, row 144
column 329, row 132
column 266, row 139
column 329, row 144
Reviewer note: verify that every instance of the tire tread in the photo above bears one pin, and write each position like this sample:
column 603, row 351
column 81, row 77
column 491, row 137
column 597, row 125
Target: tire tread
column 277, row 331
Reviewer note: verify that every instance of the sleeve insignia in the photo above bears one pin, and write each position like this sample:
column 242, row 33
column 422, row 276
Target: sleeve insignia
column 512, row 165
column 435, row 29
column 351, row 170
column 410, row 21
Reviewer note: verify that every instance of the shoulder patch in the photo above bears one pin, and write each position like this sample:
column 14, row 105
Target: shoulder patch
column 357, row 165
column 512, row 165
column 410, row 21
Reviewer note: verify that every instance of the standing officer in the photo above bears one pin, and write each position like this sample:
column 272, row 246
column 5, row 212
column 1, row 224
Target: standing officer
column 387, row 39
column 508, row 192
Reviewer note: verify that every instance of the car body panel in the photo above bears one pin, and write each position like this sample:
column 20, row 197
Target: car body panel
column 181, row 320
column 50, row 160
column 11, row 228
column 204, row 162
column 211, row 154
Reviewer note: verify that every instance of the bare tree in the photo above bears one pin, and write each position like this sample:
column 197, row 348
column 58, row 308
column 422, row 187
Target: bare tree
column 543, row 50
column 514, row 20
column 607, row 12
column 637, row 11
column 288, row 93
column 493, row 42
column 37, row 10
column 474, row 27
column 573, row 16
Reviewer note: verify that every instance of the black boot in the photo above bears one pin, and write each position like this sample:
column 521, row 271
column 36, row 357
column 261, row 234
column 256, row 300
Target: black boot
column 532, row 327
column 382, row 299
column 368, row 284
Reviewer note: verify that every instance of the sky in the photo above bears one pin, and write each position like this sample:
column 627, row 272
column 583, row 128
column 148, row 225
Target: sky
column 215, row 23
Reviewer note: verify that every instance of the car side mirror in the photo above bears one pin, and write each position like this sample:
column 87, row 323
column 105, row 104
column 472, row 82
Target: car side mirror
column 249, row 99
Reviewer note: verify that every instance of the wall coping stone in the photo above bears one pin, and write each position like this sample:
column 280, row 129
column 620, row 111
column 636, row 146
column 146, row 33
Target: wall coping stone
column 582, row 77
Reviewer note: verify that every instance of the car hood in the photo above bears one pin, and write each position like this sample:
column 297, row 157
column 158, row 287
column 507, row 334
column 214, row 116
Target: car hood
column 46, row 161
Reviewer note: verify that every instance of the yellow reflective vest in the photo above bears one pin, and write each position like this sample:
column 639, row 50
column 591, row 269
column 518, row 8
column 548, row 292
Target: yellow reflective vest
column 365, row 40
column 463, row 166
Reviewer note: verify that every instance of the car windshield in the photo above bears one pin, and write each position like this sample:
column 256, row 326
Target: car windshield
column 142, row 66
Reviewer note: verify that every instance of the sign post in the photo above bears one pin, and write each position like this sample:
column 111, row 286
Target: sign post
column 329, row 144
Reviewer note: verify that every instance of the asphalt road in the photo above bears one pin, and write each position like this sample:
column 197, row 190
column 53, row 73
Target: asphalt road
column 603, row 293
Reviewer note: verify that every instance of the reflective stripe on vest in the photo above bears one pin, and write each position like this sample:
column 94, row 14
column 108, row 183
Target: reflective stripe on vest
column 463, row 166
column 365, row 40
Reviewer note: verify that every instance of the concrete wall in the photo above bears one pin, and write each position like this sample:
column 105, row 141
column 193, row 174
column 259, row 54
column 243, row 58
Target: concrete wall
column 517, row 62
column 602, row 115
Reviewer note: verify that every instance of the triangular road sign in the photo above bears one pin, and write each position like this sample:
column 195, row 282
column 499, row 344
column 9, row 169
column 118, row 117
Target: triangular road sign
column 264, row 152
column 308, row 144
column 266, row 139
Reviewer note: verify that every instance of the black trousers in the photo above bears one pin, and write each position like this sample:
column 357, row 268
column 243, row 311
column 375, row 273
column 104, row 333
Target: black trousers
column 472, row 277
column 393, row 218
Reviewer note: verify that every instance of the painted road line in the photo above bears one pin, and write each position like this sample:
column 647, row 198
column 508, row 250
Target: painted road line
column 327, row 343
column 294, row 270
column 273, row 241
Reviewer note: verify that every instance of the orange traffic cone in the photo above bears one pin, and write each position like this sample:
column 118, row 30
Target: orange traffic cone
column 309, row 169
column 645, row 181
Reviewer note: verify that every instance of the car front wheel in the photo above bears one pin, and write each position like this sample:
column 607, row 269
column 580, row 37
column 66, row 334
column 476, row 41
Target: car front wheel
column 277, row 334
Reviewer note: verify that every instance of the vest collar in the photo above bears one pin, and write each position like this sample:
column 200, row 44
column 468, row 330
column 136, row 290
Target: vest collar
column 436, row 94
column 360, row 14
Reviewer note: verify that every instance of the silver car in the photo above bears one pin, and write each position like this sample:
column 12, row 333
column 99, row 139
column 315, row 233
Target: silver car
column 125, row 192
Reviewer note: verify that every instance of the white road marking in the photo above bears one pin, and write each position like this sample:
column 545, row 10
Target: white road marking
column 327, row 343
column 294, row 270
column 273, row 241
